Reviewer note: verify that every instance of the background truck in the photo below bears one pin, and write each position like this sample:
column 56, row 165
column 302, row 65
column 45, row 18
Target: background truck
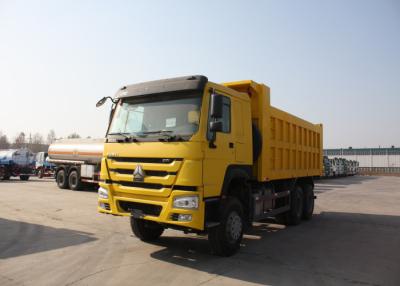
column 16, row 163
column 77, row 162
column 193, row 155
column 43, row 168
column 328, row 172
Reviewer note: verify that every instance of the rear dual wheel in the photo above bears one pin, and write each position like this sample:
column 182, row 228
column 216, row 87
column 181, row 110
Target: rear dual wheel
column 301, row 206
column 71, row 181
column 74, row 180
column 296, row 206
column 61, row 179
column 308, row 203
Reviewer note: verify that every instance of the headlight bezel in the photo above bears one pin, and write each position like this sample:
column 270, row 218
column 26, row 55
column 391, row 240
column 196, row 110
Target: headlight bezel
column 186, row 202
column 102, row 193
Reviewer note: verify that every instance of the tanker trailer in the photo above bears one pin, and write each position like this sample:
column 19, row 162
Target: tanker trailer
column 16, row 163
column 77, row 162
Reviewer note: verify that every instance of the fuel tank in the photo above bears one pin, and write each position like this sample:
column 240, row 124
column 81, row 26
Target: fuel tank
column 88, row 151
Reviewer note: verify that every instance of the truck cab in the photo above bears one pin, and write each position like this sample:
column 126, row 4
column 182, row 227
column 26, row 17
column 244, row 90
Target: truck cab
column 163, row 157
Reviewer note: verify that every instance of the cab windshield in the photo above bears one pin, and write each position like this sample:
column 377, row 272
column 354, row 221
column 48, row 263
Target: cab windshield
column 157, row 116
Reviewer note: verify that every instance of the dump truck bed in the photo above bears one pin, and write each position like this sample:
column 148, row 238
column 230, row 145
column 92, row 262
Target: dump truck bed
column 291, row 146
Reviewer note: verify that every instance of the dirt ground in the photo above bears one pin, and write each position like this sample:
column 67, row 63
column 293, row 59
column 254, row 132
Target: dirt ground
column 56, row 237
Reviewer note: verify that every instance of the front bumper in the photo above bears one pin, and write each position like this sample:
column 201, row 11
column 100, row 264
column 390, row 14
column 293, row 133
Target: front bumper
column 154, row 208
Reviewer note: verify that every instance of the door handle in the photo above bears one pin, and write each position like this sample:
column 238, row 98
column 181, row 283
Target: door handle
column 231, row 145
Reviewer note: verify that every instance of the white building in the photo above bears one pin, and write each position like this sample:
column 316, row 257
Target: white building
column 379, row 160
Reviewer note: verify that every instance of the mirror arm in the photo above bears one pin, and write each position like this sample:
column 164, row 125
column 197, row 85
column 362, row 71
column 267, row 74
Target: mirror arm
column 211, row 144
column 113, row 100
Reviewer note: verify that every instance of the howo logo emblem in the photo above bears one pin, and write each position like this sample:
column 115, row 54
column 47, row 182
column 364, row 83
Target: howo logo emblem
column 138, row 174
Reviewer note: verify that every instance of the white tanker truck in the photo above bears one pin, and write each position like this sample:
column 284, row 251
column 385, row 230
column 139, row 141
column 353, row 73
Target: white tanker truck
column 77, row 162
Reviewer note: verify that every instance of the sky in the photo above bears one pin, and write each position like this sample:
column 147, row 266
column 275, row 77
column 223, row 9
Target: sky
column 330, row 62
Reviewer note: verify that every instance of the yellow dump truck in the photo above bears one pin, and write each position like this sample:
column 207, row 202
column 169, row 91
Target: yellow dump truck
column 189, row 154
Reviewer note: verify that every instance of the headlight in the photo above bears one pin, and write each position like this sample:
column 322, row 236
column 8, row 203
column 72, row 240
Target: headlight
column 103, row 193
column 190, row 202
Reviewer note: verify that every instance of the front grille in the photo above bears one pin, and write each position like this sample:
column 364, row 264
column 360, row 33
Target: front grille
column 143, row 185
column 147, row 209
column 148, row 172
column 107, row 206
column 185, row 188
column 145, row 160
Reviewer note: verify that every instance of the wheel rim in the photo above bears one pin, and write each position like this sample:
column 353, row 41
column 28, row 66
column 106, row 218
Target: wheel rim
column 73, row 180
column 60, row 179
column 234, row 226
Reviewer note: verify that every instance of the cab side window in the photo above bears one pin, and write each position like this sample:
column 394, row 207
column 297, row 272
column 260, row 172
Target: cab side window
column 226, row 117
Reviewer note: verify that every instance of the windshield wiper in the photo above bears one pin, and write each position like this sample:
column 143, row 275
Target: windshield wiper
column 163, row 132
column 167, row 136
column 127, row 137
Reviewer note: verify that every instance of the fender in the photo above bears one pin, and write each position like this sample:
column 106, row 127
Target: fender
column 212, row 204
column 235, row 172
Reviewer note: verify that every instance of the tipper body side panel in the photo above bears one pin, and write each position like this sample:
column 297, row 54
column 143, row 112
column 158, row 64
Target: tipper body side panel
column 291, row 146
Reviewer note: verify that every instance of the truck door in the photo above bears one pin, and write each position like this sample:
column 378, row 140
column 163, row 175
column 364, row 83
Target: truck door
column 218, row 159
column 241, row 130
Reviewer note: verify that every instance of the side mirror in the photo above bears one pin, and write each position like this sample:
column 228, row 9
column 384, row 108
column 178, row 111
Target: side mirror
column 101, row 102
column 216, row 126
column 216, row 106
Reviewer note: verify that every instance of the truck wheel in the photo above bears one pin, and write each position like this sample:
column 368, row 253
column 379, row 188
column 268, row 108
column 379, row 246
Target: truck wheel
column 61, row 179
column 226, row 237
column 74, row 180
column 24, row 177
column 146, row 230
column 308, row 203
column 294, row 215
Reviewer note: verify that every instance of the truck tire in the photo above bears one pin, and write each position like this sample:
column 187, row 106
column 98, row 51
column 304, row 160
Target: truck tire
column 40, row 173
column 257, row 142
column 24, row 177
column 308, row 203
column 61, row 179
column 225, row 238
column 146, row 230
column 74, row 180
column 294, row 215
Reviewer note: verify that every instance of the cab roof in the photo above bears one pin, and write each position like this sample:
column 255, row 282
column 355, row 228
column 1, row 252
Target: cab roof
column 186, row 83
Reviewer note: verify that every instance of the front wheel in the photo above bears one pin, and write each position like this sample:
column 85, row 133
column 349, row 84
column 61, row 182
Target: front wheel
column 40, row 173
column 226, row 237
column 24, row 177
column 146, row 230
